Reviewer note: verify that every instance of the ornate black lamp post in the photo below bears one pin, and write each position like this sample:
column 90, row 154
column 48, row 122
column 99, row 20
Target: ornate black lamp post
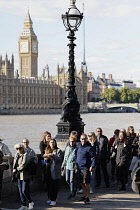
column 70, row 117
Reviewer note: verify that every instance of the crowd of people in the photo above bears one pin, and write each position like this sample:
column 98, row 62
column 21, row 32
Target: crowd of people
column 81, row 163
column 84, row 159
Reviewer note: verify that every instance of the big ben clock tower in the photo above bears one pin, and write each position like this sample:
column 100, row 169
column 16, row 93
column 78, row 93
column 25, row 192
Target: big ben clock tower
column 28, row 50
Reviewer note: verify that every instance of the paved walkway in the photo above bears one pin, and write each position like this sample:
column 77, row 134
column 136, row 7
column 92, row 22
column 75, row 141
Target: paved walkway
column 102, row 199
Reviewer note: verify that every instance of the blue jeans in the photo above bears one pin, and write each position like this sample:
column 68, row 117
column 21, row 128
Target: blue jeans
column 23, row 186
column 70, row 179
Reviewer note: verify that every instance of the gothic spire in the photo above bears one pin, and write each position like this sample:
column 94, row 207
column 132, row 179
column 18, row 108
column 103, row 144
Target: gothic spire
column 28, row 26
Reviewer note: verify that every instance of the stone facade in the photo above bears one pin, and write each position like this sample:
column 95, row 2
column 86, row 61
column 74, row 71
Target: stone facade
column 7, row 67
column 104, row 82
column 29, row 91
column 93, row 89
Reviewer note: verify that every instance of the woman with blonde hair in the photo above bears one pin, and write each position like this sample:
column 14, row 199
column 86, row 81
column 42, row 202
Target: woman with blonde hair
column 93, row 141
column 53, row 157
column 21, row 160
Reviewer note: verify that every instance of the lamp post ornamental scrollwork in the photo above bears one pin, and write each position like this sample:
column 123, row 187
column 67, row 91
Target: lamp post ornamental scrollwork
column 71, row 20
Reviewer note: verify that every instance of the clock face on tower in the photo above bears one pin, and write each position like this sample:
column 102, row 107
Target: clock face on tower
column 24, row 47
column 34, row 47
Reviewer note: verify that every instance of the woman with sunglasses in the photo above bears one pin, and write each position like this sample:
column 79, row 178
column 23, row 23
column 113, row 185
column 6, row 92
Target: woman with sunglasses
column 93, row 141
column 21, row 160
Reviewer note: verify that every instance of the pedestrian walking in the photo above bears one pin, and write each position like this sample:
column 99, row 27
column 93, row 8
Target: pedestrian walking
column 21, row 160
column 103, row 158
column 123, row 151
column 113, row 141
column 85, row 162
column 43, row 145
column 68, row 165
column 53, row 157
column 95, row 146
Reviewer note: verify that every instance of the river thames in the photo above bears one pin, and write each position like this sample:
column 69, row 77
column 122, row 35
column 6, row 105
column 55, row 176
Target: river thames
column 13, row 128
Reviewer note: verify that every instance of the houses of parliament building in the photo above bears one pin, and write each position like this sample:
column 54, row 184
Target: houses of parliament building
column 26, row 90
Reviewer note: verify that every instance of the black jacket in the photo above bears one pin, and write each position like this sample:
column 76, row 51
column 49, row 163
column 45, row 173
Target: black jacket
column 104, row 147
column 123, row 154
column 135, row 147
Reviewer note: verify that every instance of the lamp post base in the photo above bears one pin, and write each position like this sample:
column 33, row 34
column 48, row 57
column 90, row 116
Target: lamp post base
column 64, row 129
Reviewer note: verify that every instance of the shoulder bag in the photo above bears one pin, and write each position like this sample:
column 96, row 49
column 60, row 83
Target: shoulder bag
column 4, row 166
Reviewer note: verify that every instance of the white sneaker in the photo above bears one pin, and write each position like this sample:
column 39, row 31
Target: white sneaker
column 91, row 191
column 31, row 205
column 23, row 208
column 52, row 203
column 80, row 191
column 49, row 201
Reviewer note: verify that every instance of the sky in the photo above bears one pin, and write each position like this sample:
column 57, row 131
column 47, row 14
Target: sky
column 112, row 34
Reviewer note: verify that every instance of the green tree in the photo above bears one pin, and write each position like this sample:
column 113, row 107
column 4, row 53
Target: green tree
column 137, row 95
column 111, row 95
column 126, row 95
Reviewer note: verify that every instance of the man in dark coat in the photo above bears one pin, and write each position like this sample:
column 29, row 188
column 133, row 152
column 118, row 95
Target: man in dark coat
column 102, row 159
column 85, row 162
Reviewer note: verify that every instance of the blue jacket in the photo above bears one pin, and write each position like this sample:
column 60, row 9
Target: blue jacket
column 85, row 156
column 69, row 157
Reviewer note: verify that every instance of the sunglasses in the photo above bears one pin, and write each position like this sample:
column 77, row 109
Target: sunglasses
column 19, row 148
column 89, row 135
column 83, row 139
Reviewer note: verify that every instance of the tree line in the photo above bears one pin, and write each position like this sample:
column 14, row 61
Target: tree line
column 124, row 95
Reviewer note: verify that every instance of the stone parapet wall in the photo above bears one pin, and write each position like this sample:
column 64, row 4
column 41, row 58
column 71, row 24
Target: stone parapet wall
column 29, row 111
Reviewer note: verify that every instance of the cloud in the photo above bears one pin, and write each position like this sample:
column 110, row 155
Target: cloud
column 46, row 10
column 111, row 9
column 41, row 10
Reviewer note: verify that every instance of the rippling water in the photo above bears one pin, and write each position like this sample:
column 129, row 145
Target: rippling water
column 13, row 128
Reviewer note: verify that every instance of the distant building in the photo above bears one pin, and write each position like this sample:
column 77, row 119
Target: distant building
column 129, row 84
column 93, row 89
column 104, row 82
column 7, row 67
column 116, row 86
column 137, row 83
column 28, row 50
column 29, row 91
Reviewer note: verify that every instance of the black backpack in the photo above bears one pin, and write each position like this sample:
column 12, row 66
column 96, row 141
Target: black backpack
column 31, row 167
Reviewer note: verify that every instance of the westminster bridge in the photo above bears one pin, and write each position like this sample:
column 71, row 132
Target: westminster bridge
column 115, row 107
